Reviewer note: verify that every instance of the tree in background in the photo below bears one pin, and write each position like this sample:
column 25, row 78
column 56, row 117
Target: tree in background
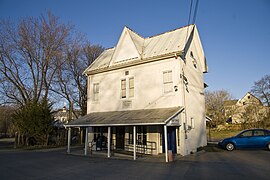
column 261, row 89
column 71, row 84
column 6, row 125
column 42, row 60
column 214, row 101
column 34, row 120
column 30, row 55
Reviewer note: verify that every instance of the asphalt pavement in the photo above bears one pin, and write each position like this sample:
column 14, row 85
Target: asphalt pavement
column 56, row 164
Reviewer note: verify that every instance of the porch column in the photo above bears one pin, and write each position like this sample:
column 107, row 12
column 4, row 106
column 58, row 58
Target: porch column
column 109, row 142
column 166, row 143
column 69, row 137
column 134, row 142
column 86, row 141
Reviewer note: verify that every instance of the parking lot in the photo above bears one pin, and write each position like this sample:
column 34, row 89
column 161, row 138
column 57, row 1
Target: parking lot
column 56, row 164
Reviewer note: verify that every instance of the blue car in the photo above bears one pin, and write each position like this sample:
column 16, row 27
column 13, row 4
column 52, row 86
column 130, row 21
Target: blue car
column 248, row 139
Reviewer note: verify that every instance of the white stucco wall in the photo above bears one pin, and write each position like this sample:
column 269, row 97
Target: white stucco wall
column 148, row 91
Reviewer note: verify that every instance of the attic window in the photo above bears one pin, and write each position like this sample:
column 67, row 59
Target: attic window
column 126, row 73
column 248, row 97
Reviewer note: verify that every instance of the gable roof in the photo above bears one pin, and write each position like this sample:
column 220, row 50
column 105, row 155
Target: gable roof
column 138, row 49
column 249, row 98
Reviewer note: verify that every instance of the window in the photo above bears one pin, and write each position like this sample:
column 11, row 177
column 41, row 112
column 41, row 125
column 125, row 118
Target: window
column 130, row 135
column 246, row 134
column 95, row 91
column 258, row 133
column 123, row 89
column 141, row 135
column 191, row 123
column 131, row 87
column 127, row 88
column 167, row 82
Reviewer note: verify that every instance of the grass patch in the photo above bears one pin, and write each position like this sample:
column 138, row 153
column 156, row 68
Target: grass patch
column 221, row 134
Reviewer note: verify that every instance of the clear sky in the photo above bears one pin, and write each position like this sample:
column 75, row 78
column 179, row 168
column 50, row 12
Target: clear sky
column 235, row 33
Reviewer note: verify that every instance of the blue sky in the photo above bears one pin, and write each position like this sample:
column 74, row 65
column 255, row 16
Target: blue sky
column 235, row 33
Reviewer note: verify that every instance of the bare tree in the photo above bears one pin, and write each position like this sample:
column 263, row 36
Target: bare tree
column 6, row 125
column 261, row 89
column 214, row 101
column 30, row 55
column 72, row 84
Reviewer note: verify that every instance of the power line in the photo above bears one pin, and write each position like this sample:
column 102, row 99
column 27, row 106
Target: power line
column 189, row 16
column 190, row 10
column 195, row 12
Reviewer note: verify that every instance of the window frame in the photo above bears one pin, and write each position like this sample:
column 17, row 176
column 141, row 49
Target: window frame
column 96, row 93
column 164, row 83
column 127, row 87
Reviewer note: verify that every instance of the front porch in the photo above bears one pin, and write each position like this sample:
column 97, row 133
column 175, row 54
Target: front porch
column 137, row 133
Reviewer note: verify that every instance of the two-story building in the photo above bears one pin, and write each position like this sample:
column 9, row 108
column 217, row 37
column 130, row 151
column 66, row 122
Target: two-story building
column 146, row 95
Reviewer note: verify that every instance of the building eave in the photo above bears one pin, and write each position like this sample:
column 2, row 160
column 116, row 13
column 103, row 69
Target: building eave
column 135, row 63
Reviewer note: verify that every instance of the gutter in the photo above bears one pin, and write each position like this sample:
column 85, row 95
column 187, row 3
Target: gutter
column 135, row 63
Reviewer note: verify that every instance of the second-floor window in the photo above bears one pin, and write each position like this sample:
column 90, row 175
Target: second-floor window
column 167, row 82
column 127, row 87
column 123, row 88
column 95, row 91
column 131, row 87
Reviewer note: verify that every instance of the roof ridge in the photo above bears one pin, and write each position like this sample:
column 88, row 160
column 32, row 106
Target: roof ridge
column 135, row 32
column 168, row 31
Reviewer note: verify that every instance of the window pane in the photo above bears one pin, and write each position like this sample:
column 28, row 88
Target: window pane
column 123, row 84
column 131, row 83
column 165, row 77
column 123, row 93
column 95, row 91
column 169, row 76
column 258, row 133
column 123, row 88
column 248, row 133
column 131, row 87
column 168, row 87
column 131, row 93
column 167, row 81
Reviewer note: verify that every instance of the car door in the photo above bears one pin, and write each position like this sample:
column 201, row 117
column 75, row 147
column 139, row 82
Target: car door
column 258, row 139
column 244, row 139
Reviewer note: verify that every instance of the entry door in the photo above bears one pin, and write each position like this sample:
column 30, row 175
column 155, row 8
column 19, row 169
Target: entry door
column 172, row 139
column 120, row 137
column 171, row 135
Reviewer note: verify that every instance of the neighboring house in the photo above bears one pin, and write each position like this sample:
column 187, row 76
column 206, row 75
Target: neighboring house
column 62, row 115
column 148, row 92
column 246, row 109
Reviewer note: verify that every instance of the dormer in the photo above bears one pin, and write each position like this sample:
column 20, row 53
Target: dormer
column 129, row 47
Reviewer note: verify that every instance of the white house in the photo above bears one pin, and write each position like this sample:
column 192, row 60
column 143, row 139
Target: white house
column 248, row 109
column 146, row 95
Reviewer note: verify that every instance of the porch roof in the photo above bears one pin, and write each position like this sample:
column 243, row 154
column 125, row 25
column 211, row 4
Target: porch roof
column 160, row 116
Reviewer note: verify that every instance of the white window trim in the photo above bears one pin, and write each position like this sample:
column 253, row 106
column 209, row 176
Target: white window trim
column 163, row 87
column 127, row 78
column 93, row 94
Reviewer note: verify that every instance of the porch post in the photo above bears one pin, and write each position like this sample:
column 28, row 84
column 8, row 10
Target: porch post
column 166, row 143
column 86, row 141
column 69, row 137
column 134, row 142
column 109, row 142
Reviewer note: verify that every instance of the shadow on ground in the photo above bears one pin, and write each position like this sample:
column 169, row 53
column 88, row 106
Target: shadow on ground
column 211, row 147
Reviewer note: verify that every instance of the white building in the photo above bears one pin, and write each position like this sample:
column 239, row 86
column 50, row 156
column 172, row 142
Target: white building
column 144, row 87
